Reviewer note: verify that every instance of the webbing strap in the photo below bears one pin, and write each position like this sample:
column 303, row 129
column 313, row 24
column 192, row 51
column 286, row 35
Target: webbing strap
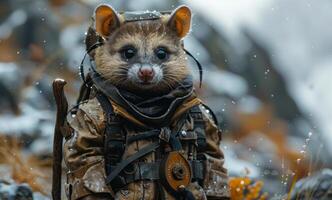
column 114, row 144
column 124, row 163
column 174, row 140
column 143, row 135
column 199, row 127
column 151, row 171
column 105, row 103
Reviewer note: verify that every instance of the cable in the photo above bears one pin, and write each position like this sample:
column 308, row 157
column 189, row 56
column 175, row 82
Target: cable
column 81, row 67
column 200, row 68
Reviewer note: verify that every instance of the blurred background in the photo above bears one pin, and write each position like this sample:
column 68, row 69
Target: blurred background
column 267, row 69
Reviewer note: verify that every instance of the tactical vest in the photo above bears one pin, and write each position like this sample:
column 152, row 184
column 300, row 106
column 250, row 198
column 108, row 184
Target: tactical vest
column 169, row 145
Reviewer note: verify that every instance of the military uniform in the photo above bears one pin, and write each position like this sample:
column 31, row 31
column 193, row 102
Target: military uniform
column 84, row 153
column 121, row 145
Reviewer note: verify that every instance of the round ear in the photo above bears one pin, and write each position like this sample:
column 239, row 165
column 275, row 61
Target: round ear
column 180, row 20
column 107, row 20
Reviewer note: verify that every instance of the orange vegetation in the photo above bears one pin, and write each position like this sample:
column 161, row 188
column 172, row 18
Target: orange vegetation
column 245, row 189
column 275, row 129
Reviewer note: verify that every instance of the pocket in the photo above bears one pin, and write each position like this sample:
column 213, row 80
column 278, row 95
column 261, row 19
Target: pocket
column 68, row 190
column 67, row 131
column 94, row 179
column 215, row 182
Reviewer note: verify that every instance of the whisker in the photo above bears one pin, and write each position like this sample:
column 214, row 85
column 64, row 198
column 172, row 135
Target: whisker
column 175, row 80
column 167, row 84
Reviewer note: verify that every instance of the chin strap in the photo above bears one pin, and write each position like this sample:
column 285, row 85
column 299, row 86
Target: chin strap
column 81, row 67
column 200, row 68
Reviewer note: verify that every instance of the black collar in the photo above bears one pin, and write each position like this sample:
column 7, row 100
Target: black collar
column 155, row 111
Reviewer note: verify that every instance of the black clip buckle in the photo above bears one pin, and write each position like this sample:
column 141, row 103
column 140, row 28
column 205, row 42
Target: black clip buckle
column 165, row 134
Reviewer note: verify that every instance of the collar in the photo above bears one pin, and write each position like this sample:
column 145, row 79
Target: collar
column 153, row 112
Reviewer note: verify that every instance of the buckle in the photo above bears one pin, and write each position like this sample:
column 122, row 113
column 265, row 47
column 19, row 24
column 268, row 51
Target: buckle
column 112, row 118
column 165, row 134
column 130, row 169
column 188, row 135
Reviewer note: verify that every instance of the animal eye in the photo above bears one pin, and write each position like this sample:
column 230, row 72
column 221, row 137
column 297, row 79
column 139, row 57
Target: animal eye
column 128, row 52
column 161, row 53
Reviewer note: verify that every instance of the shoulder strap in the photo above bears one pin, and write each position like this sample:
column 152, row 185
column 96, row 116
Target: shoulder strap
column 199, row 124
column 199, row 127
column 114, row 142
column 105, row 103
column 84, row 94
column 85, row 90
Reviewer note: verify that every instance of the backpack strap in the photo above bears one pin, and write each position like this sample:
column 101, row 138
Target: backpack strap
column 115, row 138
column 199, row 127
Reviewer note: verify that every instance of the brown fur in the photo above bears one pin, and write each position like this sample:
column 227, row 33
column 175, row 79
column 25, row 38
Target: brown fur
column 145, row 35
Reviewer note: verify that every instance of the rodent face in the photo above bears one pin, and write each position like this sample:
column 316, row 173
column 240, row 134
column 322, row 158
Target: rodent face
column 144, row 55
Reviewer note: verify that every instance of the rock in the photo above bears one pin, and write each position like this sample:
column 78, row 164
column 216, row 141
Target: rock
column 317, row 186
column 38, row 196
column 226, row 83
column 34, row 127
column 13, row 191
column 10, row 83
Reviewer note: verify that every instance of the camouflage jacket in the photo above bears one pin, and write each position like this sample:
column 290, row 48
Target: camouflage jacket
column 83, row 155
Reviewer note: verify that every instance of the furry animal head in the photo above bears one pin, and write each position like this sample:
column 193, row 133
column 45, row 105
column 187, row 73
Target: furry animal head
column 144, row 55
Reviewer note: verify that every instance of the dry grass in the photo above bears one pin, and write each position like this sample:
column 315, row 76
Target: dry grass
column 24, row 168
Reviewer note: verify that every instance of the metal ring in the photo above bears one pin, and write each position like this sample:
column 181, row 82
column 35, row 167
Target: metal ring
column 130, row 169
